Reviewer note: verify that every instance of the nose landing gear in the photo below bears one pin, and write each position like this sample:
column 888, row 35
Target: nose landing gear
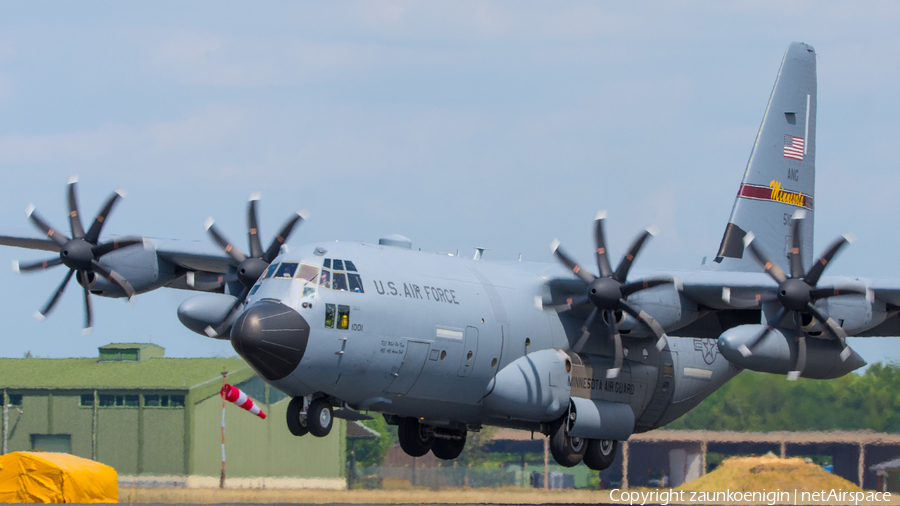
column 315, row 417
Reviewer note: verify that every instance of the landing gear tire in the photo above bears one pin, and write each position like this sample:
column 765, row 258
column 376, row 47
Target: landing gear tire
column 296, row 419
column 416, row 439
column 567, row 451
column 449, row 449
column 600, row 453
column 320, row 417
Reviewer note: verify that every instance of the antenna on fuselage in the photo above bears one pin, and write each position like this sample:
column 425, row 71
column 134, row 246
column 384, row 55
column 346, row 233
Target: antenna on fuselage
column 479, row 252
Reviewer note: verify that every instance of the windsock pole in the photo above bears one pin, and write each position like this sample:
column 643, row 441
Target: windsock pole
column 222, row 477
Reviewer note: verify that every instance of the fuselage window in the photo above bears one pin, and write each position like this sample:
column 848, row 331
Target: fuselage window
column 329, row 316
column 270, row 271
column 349, row 265
column 328, row 263
column 340, row 281
column 355, row 282
column 286, row 270
column 325, row 278
column 343, row 322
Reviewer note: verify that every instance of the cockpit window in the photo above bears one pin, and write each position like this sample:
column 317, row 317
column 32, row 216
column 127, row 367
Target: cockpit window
column 329, row 316
column 325, row 278
column 328, row 263
column 343, row 321
column 349, row 265
column 286, row 270
column 340, row 281
column 270, row 271
column 355, row 282
column 337, row 265
column 308, row 273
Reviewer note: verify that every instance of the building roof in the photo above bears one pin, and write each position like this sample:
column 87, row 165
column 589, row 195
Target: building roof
column 84, row 373
column 127, row 346
column 890, row 465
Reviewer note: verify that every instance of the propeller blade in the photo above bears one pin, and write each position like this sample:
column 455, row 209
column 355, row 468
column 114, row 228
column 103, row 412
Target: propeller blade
column 747, row 349
column 38, row 266
column 796, row 258
column 647, row 321
column 585, row 331
column 830, row 291
column 603, row 266
column 833, row 328
column 800, row 357
column 256, row 249
column 619, row 357
column 815, row 272
column 107, row 247
column 74, row 219
column 637, row 286
column 564, row 304
column 236, row 254
column 113, row 277
column 576, row 269
column 40, row 315
column 42, row 225
column 771, row 268
column 283, row 234
column 222, row 327
column 621, row 273
column 87, row 304
column 93, row 233
column 746, row 301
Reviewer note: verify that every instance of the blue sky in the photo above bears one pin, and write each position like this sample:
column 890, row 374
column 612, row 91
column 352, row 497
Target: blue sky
column 457, row 124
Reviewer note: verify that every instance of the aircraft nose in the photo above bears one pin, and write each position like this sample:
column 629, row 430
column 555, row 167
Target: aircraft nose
column 271, row 337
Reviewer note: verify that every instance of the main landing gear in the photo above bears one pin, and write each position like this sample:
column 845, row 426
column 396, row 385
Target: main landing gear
column 417, row 439
column 568, row 451
column 315, row 417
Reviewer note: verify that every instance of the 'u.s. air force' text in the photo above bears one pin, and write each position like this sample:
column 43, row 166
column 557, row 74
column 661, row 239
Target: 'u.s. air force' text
column 619, row 387
column 416, row 292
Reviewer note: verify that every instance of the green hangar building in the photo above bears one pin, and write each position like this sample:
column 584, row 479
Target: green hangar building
column 159, row 419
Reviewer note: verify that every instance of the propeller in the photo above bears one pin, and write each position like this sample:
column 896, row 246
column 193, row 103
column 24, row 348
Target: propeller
column 250, row 267
column 609, row 291
column 81, row 253
column 798, row 292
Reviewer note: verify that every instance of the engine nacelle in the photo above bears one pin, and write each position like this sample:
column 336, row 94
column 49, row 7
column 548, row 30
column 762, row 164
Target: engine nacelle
column 209, row 310
column 775, row 353
column 533, row 387
column 665, row 304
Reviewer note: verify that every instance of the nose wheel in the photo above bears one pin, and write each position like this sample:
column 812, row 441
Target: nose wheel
column 315, row 417
column 296, row 416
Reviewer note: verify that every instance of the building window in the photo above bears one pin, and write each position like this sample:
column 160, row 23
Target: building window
column 14, row 400
column 87, row 400
column 133, row 401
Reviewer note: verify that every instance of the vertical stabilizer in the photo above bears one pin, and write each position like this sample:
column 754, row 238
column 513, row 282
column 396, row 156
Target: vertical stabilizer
column 781, row 175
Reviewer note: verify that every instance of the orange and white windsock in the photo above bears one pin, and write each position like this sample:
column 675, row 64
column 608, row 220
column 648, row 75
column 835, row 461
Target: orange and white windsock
column 234, row 395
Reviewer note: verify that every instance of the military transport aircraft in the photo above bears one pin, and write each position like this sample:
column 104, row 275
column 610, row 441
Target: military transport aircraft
column 442, row 345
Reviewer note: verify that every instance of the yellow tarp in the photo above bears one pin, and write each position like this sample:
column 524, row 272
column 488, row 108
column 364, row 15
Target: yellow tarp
column 55, row 477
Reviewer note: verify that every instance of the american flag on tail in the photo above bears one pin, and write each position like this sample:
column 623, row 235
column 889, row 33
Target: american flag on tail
column 793, row 147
